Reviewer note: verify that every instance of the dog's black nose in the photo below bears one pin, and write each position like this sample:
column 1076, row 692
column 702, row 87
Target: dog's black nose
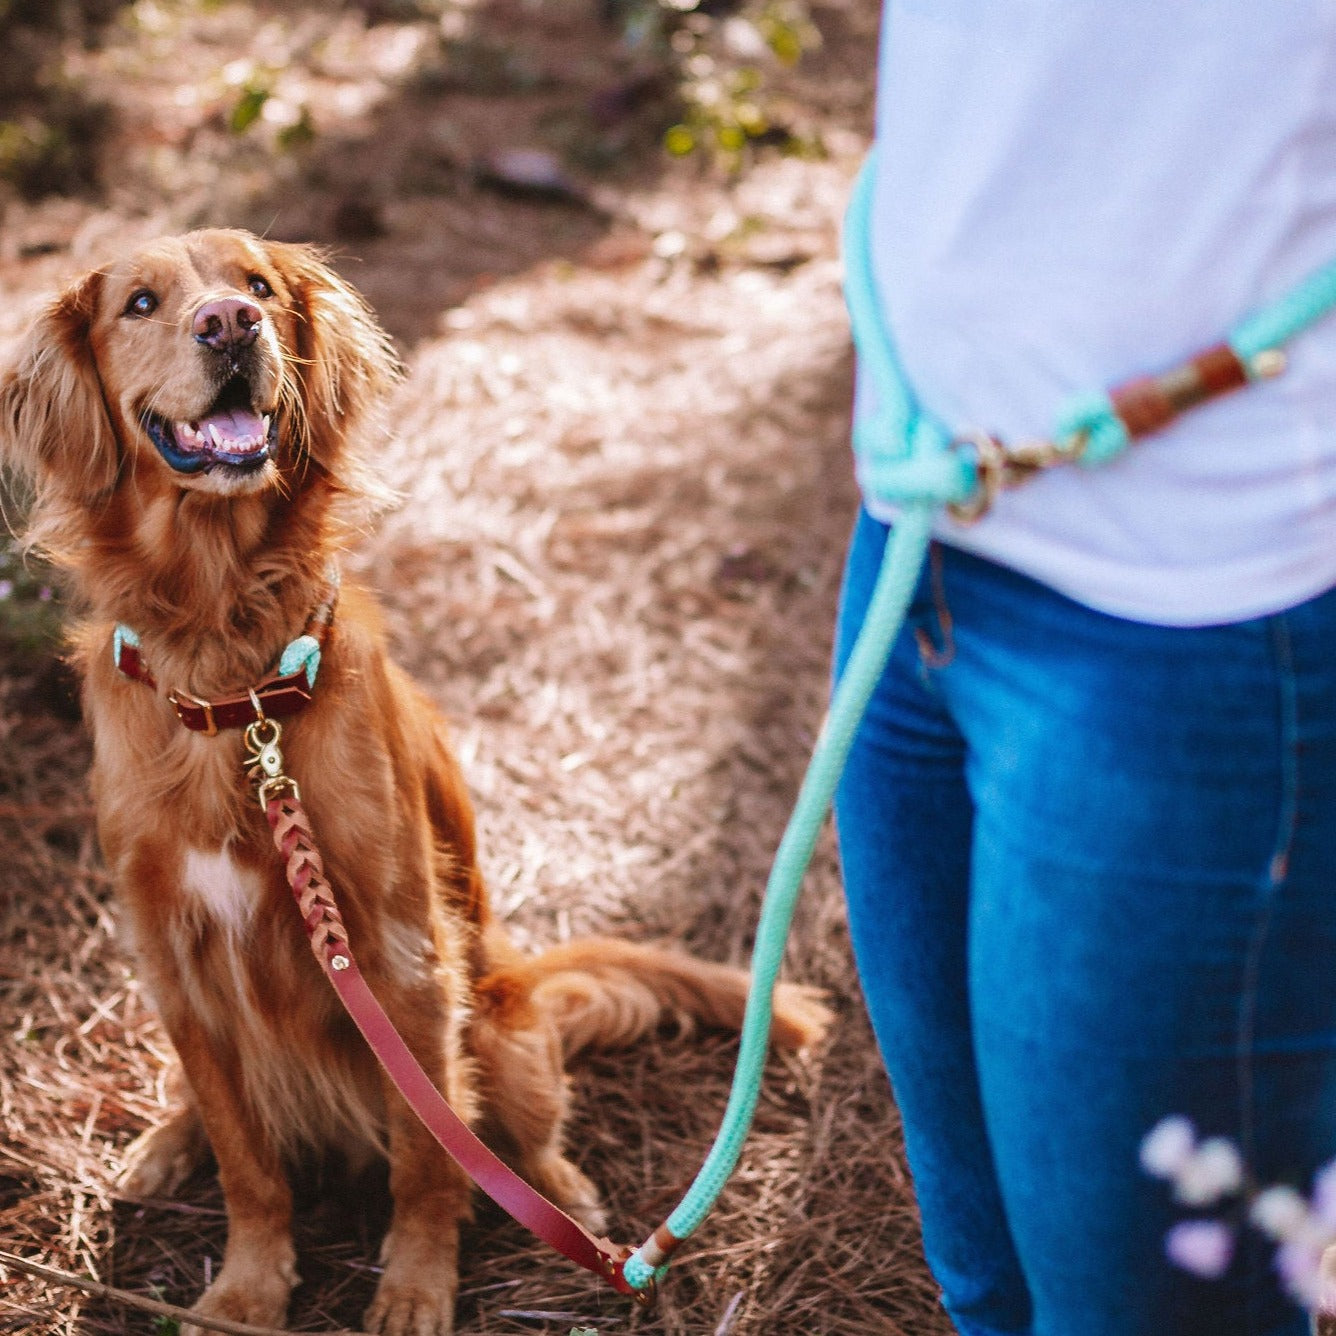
column 228, row 323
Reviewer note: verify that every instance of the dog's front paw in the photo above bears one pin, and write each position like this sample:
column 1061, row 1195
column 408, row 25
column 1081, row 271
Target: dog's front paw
column 161, row 1159
column 259, row 1306
column 412, row 1305
column 249, row 1290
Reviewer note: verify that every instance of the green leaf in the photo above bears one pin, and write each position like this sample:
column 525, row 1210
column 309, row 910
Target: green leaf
column 299, row 134
column 248, row 108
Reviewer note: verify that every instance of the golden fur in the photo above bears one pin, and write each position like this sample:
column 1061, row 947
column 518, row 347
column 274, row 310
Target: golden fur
column 217, row 569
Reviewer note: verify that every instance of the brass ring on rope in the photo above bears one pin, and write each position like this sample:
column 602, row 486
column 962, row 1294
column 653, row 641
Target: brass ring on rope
column 990, row 469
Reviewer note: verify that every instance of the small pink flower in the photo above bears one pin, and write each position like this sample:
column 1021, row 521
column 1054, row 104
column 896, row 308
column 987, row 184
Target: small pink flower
column 1212, row 1171
column 1300, row 1267
column 1168, row 1146
column 1324, row 1194
column 1203, row 1247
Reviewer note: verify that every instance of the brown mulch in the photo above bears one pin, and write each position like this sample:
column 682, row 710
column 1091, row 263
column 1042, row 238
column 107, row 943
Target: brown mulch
column 622, row 451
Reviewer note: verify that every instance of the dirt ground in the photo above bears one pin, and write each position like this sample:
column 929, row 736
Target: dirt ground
column 622, row 456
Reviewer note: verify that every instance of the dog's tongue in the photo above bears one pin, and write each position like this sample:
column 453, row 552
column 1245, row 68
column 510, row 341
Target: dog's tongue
column 233, row 431
column 237, row 431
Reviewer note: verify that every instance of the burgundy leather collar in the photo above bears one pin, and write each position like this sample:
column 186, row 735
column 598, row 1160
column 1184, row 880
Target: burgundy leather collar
column 277, row 696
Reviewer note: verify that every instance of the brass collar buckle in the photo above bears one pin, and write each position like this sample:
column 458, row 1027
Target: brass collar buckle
column 179, row 698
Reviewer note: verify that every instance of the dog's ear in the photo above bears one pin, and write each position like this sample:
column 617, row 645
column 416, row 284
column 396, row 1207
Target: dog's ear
column 54, row 427
column 346, row 364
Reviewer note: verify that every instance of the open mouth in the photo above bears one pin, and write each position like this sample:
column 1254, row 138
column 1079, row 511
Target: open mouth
column 232, row 434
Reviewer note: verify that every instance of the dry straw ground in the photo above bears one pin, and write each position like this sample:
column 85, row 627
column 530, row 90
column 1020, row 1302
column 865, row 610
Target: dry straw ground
column 622, row 452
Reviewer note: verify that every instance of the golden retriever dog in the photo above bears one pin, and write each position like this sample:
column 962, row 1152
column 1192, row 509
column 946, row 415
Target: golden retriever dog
column 194, row 421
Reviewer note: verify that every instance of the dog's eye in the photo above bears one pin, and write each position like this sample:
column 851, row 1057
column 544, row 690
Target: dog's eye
column 259, row 287
column 142, row 302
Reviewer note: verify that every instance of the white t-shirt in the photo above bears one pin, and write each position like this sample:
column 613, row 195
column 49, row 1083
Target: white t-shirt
column 1074, row 192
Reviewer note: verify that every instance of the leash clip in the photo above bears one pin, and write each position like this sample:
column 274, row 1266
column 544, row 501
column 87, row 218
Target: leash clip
column 264, row 761
column 998, row 466
column 1031, row 457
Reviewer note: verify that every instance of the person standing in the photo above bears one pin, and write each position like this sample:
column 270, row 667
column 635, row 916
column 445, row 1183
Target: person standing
column 1088, row 828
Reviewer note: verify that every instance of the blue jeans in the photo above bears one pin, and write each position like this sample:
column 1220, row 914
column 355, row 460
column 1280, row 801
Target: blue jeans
column 1091, row 875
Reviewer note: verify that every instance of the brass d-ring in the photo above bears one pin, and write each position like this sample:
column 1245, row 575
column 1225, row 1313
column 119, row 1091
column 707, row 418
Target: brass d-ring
column 990, row 466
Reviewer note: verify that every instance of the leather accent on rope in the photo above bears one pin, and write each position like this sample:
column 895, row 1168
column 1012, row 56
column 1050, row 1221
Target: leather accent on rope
column 1148, row 404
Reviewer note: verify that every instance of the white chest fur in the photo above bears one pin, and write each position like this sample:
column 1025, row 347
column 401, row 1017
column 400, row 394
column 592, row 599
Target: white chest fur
column 221, row 888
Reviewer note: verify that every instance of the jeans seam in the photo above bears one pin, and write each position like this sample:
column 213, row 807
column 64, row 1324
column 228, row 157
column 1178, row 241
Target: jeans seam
column 1276, row 872
column 936, row 654
column 1288, row 691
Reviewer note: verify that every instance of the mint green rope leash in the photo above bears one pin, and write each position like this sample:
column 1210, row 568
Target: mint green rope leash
column 895, row 586
column 945, row 476
column 901, row 451
column 905, row 456
column 1293, row 312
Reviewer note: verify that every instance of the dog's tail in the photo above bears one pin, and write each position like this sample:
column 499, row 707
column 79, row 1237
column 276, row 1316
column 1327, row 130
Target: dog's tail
column 600, row 992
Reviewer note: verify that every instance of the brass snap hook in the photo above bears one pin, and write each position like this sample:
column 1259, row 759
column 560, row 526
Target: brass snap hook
column 264, row 760
column 1027, row 458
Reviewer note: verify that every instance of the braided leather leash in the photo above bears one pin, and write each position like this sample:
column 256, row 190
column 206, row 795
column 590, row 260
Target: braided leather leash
column 280, row 798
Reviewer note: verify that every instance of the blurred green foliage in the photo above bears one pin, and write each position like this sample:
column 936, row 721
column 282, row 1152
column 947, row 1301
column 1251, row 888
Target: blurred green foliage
column 50, row 132
column 249, row 105
column 293, row 126
column 50, row 141
column 30, row 612
column 724, row 57
column 706, row 87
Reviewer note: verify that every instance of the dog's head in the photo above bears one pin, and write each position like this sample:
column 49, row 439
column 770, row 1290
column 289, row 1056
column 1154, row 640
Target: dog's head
column 213, row 363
